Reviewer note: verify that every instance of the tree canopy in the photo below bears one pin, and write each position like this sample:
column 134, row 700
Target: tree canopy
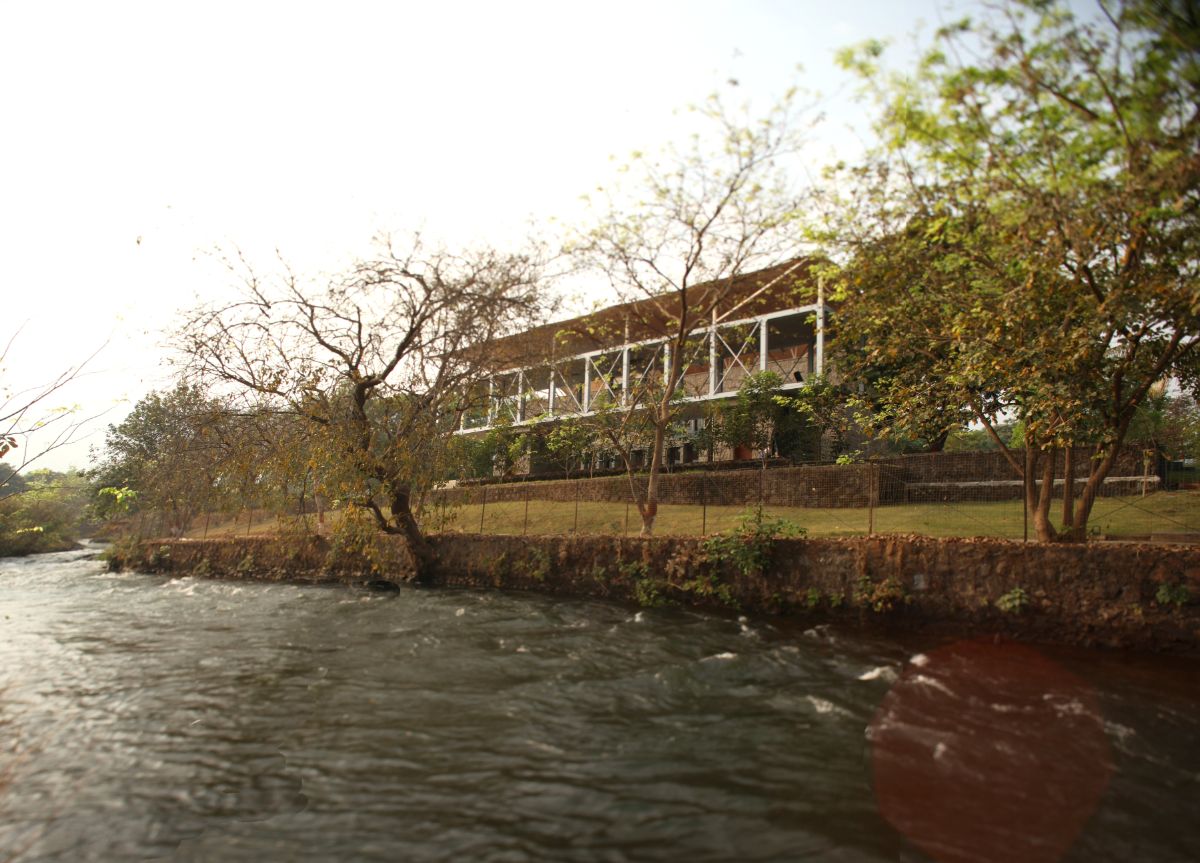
column 379, row 362
column 1024, row 241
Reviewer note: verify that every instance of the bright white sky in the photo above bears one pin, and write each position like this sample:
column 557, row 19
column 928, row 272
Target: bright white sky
column 137, row 137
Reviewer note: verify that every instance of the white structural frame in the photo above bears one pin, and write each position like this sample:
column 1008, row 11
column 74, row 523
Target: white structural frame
column 760, row 328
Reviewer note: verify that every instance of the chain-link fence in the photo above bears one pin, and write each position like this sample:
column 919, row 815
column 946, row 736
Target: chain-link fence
column 968, row 494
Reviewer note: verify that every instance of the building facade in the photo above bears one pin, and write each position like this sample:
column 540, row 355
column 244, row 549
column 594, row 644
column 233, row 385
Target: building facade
column 771, row 320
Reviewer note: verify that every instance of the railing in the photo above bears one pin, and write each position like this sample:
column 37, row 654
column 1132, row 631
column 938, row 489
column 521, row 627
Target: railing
column 785, row 342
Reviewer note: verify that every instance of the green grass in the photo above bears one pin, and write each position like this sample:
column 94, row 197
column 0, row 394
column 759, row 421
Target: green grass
column 1160, row 512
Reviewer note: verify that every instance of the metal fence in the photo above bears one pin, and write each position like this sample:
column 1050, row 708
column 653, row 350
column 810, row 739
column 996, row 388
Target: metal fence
column 831, row 500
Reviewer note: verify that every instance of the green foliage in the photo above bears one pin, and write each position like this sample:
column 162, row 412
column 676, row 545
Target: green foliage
column 751, row 420
column 649, row 592
column 569, row 443
column 537, row 563
column 495, row 453
column 713, row 210
column 175, row 454
column 45, row 516
column 882, row 596
column 826, row 408
column 122, row 552
column 708, row 585
column 1013, row 602
column 633, row 569
column 1172, row 594
column 748, row 547
column 357, row 544
column 159, row 558
column 1023, row 242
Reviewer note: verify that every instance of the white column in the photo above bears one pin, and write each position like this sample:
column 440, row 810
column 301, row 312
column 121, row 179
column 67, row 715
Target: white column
column 521, row 396
column 712, row 356
column 624, row 376
column 586, row 402
column 820, row 369
column 491, row 410
column 553, row 387
column 762, row 345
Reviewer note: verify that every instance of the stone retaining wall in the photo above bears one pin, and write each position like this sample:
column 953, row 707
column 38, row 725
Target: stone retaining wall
column 1132, row 595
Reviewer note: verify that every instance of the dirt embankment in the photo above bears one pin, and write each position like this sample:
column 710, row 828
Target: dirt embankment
column 1120, row 595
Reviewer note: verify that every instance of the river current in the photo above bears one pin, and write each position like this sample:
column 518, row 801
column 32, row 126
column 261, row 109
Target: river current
column 149, row 717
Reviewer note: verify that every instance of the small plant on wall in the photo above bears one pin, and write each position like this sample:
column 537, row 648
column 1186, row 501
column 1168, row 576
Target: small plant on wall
column 1013, row 602
column 748, row 546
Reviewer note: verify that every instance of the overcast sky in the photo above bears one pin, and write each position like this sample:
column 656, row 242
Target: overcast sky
column 136, row 138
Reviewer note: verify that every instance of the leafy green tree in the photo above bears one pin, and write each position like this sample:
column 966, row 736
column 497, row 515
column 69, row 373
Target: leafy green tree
column 824, row 409
column 498, row 452
column 751, row 420
column 570, row 443
column 1025, row 239
column 46, row 516
column 171, row 451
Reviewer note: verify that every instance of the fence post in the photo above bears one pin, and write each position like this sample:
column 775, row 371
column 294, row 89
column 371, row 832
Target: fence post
column 525, row 525
column 872, row 495
column 626, row 518
column 703, row 504
column 482, row 506
column 576, row 528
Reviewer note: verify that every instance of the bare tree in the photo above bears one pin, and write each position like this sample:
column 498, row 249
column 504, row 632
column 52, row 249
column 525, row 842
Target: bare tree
column 699, row 220
column 378, row 361
column 30, row 413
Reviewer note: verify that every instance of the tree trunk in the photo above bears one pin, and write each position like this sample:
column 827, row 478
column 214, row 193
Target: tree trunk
column 649, row 508
column 414, row 540
column 1042, row 524
column 1087, row 498
column 1037, row 498
column 1028, row 481
column 1068, row 509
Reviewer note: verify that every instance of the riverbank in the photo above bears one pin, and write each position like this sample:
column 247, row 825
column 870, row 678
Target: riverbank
column 1137, row 596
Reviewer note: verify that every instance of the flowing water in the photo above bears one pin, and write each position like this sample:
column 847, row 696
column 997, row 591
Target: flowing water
column 148, row 717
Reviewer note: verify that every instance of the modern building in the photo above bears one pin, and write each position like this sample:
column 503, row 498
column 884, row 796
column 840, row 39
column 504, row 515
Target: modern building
column 773, row 319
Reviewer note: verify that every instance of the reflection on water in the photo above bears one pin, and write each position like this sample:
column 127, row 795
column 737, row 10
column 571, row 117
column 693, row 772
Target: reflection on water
column 149, row 717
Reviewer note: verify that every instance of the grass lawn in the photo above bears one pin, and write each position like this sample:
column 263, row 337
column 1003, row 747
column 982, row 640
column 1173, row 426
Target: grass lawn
column 1159, row 512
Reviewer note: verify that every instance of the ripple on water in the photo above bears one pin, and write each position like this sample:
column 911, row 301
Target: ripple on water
column 202, row 720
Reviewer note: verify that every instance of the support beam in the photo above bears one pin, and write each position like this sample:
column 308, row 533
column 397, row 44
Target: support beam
column 762, row 345
column 625, row 376
column 491, row 409
column 521, row 396
column 586, row 401
column 820, row 325
column 553, row 387
column 712, row 356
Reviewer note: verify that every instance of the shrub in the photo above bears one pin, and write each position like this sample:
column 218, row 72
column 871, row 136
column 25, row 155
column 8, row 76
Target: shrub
column 1014, row 601
column 748, row 546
